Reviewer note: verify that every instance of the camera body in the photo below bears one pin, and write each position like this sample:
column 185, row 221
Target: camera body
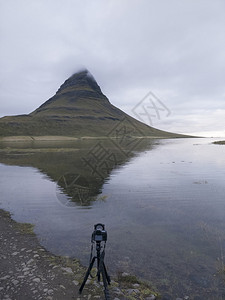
column 99, row 234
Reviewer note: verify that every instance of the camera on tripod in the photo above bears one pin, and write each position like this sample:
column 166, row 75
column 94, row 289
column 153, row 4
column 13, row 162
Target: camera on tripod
column 99, row 234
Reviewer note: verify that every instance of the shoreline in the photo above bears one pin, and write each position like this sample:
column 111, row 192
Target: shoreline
column 49, row 138
column 28, row 271
column 36, row 138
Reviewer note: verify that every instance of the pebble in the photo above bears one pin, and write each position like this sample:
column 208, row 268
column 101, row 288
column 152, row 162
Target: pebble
column 75, row 282
column 37, row 280
column 117, row 291
column 25, row 269
column 50, row 292
column 133, row 291
column 5, row 277
column 26, row 273
column 68, row 270
column 30, row 261
column 152, row 297
column 96, row 284
column 63, row 287
column 15, row 282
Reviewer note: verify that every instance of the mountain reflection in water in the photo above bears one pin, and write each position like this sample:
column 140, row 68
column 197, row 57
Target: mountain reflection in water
column 80, row 168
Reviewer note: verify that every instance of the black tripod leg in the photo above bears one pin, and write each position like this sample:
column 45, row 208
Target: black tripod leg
column 103, row 266
column 86, row 275
column 106, row 274
column 98, row 268
column 105, row 279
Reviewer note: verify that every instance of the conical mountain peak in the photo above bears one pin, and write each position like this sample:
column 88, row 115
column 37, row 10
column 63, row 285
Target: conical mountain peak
column 80, row 89
column 78, row 109
column 80, row 80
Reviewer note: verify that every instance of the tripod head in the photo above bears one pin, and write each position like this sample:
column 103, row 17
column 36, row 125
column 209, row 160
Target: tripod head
column 99, row 234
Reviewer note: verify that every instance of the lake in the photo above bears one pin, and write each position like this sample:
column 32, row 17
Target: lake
column 162, row 202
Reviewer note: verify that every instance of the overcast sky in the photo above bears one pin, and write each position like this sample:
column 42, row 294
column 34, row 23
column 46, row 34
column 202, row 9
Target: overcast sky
column 172, row 49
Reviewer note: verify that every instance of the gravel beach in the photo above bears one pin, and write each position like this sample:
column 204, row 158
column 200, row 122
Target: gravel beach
column 28, row 271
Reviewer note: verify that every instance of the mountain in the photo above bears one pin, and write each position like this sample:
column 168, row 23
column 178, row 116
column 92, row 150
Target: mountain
column 78, row 109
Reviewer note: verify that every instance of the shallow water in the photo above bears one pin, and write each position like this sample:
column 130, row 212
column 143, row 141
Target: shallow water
column 163, row 206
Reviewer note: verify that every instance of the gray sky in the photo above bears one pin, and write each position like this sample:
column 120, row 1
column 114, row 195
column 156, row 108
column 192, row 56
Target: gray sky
column 172, row 48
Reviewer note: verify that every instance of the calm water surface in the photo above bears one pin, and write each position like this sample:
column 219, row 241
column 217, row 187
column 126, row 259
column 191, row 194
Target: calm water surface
column 163, row 207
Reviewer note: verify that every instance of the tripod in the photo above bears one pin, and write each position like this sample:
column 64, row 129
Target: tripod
column 101, row 269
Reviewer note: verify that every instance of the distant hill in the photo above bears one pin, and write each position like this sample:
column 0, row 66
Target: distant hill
column 78, row 109
column 219, row 143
